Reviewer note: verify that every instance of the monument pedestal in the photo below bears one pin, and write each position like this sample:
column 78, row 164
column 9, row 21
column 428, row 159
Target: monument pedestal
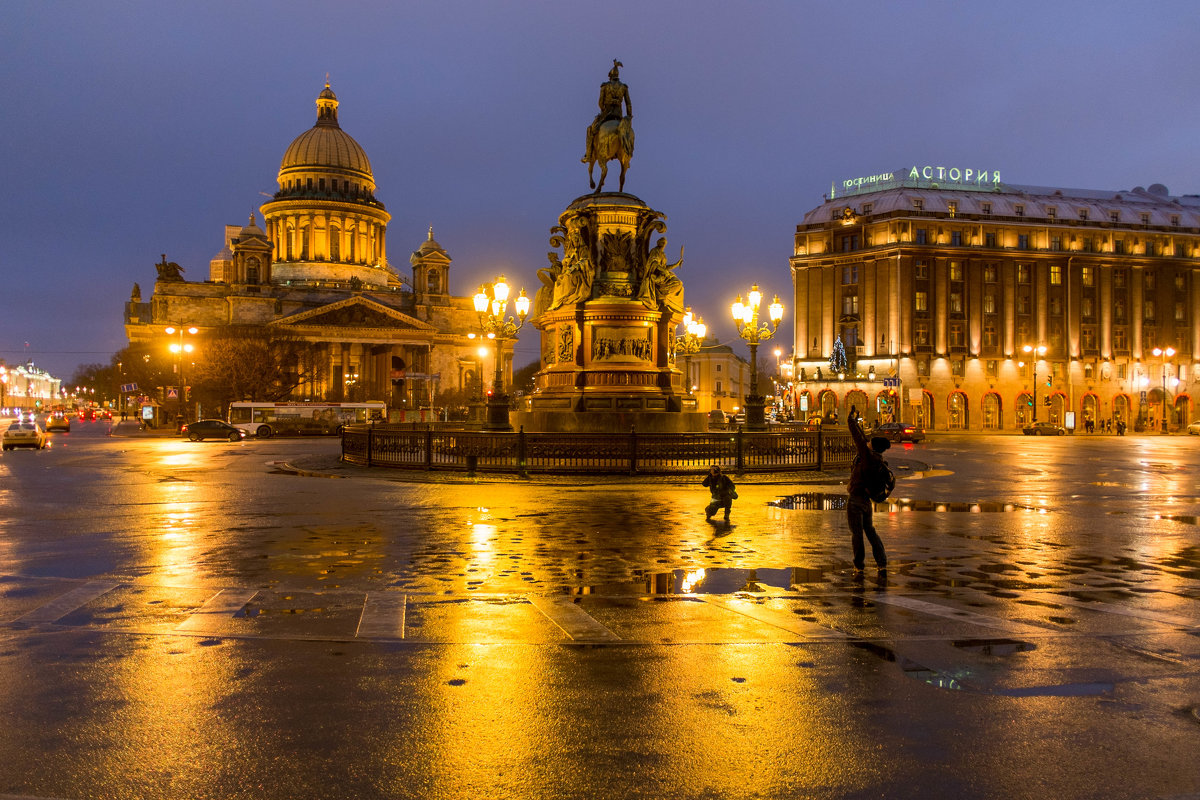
column 607, row 316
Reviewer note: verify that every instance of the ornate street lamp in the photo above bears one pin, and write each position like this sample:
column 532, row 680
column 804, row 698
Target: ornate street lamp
column 746, row 317
column 689, row 343
column 491, row 302
column 179, row 348
column 1165, row 353
column 1037, row 352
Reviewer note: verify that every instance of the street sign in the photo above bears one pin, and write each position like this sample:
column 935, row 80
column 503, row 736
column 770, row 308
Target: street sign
column 172, row 393
column 891, row 381
column 128, row 387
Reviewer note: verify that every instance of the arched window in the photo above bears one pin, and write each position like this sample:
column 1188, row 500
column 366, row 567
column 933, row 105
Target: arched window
column 335, row 244
column 956, row 408
column 993, row 417
column 433, row 281
column 252, row 270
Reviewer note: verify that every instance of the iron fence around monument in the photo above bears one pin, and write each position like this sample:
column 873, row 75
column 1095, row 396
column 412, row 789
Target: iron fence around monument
column 521, row 453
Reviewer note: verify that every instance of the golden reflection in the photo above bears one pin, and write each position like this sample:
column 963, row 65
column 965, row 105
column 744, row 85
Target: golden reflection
column 691, row 580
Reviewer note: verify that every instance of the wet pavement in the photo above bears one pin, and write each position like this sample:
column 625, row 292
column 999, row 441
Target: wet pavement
column 223, row 620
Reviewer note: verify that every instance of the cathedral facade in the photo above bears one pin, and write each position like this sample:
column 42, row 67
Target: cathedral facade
column 317, row 272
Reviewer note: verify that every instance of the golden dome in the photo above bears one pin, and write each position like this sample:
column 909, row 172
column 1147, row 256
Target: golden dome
column 325, row 147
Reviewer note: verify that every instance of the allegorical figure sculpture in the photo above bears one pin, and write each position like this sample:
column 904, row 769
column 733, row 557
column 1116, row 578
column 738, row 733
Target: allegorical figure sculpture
column 610, row 136
column 169, row 271
column 574, row 284
column 659, row 285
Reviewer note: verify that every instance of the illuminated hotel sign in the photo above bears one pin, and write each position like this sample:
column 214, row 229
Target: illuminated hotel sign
column 926, row 177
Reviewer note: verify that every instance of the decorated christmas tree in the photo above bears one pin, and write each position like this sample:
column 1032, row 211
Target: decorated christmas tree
column 837, row 361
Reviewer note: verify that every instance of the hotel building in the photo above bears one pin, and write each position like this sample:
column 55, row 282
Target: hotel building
column 964, row 303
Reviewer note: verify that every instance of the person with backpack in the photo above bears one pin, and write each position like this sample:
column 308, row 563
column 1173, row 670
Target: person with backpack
column 722, row 490
column 870, row 482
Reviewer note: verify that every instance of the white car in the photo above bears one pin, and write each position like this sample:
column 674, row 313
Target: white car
column 24, row 434
column 1194, row 428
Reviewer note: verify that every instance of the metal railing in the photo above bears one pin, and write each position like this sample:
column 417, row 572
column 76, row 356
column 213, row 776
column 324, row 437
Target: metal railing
column 520, row 453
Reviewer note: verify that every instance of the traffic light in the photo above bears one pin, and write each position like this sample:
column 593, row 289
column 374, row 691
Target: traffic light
column 1045, row 401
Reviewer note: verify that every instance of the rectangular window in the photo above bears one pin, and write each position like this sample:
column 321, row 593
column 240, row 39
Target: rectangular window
column 867, row 208
column 849, row 243
column 850, row 305
column 1145, row 219
column 1056, row 274
column 993, row 368
column 956, row 238
column 990, row 338
column 1056, row 243
column 921, row 270
column 989, row 273
column 1023, row 304
column 718, row 387
column 987, row 208
column 989, row 240
column 957, row 365
column 1024, row 273
column 1055, row 306
column 921, row 333
column 1119, row 341
column 989, row 302
column 1118, row 279
column 923, row 366
column 920, row 301
column 1119, row 309
column 1151, row 248
column 1051, row 212
column 1022, row 242
column 1119, row 247
column 850, row 275
column 1148, row 278
column 922, row 236
column 1148, row 311
column 954, row 334
column 956, row 271
column 1087, row 307
column 1175, row 220
column 1083, row 213
column 1114, row 216
column 1019, row 210
column 1180, row 311
column 718, row 367
column 952, row 207
column 1180, row 282
column 918, row 205
column 1088, row 276
column 1180, row 250
column 956, row 302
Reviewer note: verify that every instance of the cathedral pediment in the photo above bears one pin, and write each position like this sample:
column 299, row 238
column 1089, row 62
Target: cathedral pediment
column 354, row 312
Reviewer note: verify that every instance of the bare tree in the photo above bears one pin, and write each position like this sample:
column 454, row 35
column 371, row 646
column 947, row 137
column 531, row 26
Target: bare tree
column 256, row 363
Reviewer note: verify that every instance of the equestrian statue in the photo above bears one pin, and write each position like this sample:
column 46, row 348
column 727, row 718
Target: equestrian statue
column 610, row 136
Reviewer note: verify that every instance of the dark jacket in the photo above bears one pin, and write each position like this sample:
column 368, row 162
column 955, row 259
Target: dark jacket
column 865, row 463
column 720, row 486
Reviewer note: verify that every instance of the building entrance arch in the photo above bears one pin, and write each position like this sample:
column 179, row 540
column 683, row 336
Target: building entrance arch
column 1089, row 412
column 858, row 399
column 923, row 413
column 827, row 403
column 957, row 418
column 993, row 416
column 1024, row 415
column 1120, row 409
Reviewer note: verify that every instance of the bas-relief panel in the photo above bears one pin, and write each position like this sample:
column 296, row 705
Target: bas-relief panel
column 621, row 344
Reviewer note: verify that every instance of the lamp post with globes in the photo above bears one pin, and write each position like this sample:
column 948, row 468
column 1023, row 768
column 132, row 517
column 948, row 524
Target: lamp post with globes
column 749, row 328
column 689, row 343
column 1164, row 353
column 491, row 303
column 179, row 349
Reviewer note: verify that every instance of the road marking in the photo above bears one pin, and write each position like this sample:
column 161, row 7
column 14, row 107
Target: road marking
column 221, row 606
column 573, row 620
column 945, row 612
column 64, row 604
column 776, row 618
column 1137, row 613
column 382, row 616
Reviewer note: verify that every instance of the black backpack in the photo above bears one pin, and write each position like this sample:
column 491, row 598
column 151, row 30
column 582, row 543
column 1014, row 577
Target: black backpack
column 880, row 482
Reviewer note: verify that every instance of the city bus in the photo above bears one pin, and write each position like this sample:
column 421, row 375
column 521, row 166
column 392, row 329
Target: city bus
column 265, row 420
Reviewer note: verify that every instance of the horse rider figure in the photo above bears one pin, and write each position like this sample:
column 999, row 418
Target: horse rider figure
column 613, row 94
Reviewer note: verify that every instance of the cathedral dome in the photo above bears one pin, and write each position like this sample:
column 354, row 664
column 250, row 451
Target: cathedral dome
column 326, row 149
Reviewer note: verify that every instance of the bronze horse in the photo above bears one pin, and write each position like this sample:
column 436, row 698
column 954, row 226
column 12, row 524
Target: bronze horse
column 614, row 140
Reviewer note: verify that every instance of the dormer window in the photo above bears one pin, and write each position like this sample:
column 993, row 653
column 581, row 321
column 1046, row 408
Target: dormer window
column 987, row 208
column 1019, row 210
column 952, row 207
column 1114, row 216
column 918, row 205
column 1051, row 212
column 1083, row 213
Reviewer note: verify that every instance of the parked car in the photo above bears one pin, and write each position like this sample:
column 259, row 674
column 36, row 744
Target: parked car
column 213, row 429
column 899, row 432
column 1194, row 428
column 24, row 434
column 1044, row 429
column 717, row 419
column 58, row 422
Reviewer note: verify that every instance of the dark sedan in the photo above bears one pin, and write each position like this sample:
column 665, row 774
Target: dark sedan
column 213, row 429
column 899, row 432
column 1044, row 429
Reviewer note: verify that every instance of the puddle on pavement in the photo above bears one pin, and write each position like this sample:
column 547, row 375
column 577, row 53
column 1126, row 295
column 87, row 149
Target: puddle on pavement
column 826, row 501
column 718, row 580
column 994, row 647
column 911, row 668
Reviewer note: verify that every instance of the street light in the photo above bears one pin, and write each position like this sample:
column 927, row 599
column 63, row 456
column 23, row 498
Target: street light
column 179, row 348
column 491, row 302
column 746, row 317
column 1165, row 353
column 1037, row 352
column 689, row 343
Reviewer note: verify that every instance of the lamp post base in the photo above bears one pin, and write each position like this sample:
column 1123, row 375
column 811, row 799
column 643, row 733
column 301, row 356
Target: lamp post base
column 756, row 418
column 497, row 414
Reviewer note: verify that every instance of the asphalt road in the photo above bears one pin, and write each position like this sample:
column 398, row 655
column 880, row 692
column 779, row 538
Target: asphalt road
column 198, row 620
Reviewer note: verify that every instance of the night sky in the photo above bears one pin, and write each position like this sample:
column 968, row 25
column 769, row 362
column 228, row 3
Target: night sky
column 133, row 129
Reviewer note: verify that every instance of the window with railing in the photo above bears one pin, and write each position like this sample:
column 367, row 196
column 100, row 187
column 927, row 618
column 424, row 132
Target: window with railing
column 920, row 301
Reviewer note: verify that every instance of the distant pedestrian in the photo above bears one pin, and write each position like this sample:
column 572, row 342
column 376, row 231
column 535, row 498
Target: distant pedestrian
column 869, row 464
column 723, row 493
